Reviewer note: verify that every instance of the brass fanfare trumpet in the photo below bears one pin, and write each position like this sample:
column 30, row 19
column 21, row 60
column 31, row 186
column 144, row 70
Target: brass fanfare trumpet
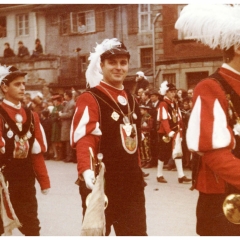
column 231, row 208
column 96, row 167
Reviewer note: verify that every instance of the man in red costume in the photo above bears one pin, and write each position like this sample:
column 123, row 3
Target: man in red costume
column 214, row 130
column 22, row 143
column 107, row 119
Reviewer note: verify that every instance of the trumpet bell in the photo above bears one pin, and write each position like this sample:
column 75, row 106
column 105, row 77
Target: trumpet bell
column 166, row 139
column 231, row 208
column 89, row 198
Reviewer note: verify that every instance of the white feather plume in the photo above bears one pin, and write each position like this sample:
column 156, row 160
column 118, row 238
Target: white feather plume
column 215, row 25
column 4, row 71
column 93, row 73
column 163, row 87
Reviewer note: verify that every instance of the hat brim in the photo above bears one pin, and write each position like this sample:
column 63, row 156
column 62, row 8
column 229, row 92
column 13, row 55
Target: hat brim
column 114, row 52
column 13, row 75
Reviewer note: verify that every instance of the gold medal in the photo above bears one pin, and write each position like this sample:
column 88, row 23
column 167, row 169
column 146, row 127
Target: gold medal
column 115, row 116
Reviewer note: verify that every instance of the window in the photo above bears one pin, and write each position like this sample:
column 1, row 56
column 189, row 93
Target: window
column 83, row 63
column 83, row 22
column 171, row 78
column 132, row 11
column 22, row 25
column 64, row 24
column 144, row 17
column 146, row 57
column 3, row 27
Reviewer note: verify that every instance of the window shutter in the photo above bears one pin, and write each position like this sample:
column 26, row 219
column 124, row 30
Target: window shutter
column 132, row 10
column 100, row 21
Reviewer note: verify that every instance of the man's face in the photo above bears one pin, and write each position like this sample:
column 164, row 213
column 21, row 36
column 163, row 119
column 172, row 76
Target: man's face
column 14, row 92
column 115, row 70
column 154, row 98
column 171, row 94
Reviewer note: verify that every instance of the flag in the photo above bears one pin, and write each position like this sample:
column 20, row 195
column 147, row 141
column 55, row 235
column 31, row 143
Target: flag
column 94, row 223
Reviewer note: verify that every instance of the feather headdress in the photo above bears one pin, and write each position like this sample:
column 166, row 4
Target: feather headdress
column 4, row 71
column 164, row 87
column 108, row 46
column 215, row 25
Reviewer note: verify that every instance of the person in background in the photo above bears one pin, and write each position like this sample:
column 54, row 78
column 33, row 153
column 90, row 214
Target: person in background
column 170, row 133
column 107, row 119
column 146, row 127
column 38, row 49
column 141, row 82
column 186, row 111
column 81, row 27
column 8, row 52
column 22, row 50
column 213, row 131
column 27, row 101
column 66, row 115
column 190, row 92
column 47, row 126
column 155, row 101
column 22, row 144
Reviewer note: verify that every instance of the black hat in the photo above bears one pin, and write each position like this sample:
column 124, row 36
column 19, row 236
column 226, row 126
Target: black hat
column 114, row 51
column 154, row 92
column 9, row 73
column 171, row 86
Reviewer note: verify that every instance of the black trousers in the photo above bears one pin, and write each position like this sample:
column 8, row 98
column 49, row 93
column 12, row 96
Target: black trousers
column 211, row 220
column 24, row 202
column 125, row 212
column 164, row 149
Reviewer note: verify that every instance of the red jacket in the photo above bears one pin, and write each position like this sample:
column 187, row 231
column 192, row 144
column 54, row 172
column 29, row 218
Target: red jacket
column 210, row 134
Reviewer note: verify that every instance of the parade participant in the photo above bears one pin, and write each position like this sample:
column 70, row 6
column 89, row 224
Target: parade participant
column 141, row 82
column 22, row 143
column 170, row 129
column 213, row 127
column 146, row 127
column 107, row 119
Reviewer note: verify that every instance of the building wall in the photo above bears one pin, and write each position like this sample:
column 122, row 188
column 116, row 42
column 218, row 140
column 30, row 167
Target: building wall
column 178, row 56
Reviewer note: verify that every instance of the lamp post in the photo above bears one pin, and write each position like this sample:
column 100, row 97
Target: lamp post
column 153, row 42
column 78, row 70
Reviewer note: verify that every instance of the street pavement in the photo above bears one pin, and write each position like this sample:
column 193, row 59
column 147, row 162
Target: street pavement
column 170, row 207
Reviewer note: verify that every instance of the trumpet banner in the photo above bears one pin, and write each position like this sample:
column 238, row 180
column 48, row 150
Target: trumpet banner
column 177, row 146
column 9, row 218
column 94, row 223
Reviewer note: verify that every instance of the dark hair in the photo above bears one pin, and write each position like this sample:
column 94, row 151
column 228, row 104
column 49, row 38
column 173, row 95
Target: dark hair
column 37, row 40
column 20, row 42
column 7, row 44
column 228, row 54
column 68, row 93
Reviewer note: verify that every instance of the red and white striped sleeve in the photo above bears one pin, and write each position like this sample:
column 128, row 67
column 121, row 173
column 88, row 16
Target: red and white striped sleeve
column 85, row 131
column 208, row 127
column 163, row 116
column 40, row 142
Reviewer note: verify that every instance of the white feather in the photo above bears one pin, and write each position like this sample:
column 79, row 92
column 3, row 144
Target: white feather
column 93, row 73
column 163, row 88
column 215, row 25
column 4, row 71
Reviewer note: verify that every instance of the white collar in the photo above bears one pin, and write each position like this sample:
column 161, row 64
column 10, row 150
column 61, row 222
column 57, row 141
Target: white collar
column 225, row 65
column 12, row 104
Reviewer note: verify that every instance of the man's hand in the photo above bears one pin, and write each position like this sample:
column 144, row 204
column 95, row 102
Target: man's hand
column 171, row 134
column 45, row 191
column 89, row 178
